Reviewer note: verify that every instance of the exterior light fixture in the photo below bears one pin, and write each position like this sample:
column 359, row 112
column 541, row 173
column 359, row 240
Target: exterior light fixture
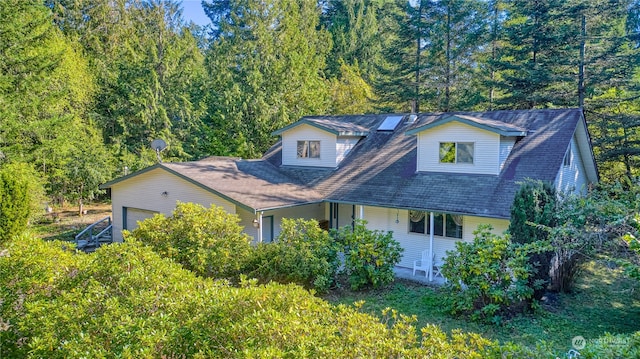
column 397, row 216
column 164, row 194
column 255, row 223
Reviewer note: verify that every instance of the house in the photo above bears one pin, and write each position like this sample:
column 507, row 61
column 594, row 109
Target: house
column 431, row 178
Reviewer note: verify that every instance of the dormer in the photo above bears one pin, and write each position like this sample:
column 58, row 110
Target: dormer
column 318, row 142
column 464, row 144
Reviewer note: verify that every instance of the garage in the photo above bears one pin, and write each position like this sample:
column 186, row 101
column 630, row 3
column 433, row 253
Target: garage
column 132, row 216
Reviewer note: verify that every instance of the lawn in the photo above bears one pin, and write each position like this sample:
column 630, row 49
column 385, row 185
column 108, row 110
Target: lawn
column 602, row 301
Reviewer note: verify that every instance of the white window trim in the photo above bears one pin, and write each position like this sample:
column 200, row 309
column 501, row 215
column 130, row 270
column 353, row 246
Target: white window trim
column 308, row 143
column 426, row 217
column 455, row 143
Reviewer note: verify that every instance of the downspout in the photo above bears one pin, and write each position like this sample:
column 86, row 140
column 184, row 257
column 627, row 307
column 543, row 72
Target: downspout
column 430, row 260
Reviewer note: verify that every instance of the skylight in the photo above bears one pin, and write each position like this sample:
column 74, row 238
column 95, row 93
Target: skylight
column 390, row 123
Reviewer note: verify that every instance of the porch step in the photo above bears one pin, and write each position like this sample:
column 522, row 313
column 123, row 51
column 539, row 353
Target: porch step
column 95, row 235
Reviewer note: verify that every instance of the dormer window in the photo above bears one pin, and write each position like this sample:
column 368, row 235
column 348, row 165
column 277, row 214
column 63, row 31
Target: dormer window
column 308, row 149
column 456, row 152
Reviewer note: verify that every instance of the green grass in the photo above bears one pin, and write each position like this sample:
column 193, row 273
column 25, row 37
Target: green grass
column 602, row 301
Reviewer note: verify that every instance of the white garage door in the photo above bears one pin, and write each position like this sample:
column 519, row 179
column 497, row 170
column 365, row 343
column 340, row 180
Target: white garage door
column 135, row 215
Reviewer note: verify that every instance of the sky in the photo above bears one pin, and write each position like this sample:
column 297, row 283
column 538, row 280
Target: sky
column 192, row 10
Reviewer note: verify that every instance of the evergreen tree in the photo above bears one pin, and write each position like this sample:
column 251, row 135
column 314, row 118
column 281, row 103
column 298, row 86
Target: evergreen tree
column 45, row 94
column 610, row 92
column 400, row 79
column 265, row 68
column 357, row 37
column 457, row 32
column 538, row 62
column 19, row 194
column 149, row 70
column 533, row 205
column 432, row 62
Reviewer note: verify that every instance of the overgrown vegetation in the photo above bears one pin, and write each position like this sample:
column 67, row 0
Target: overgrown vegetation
column 127, row 301
column 370, row 255
column 210, row 242
column 303, row 253
column 207, row 241
column 549, row 239
column 488, row 278
column 603, row 301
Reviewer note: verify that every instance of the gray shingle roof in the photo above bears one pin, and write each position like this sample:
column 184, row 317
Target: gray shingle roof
column 256, row 184
column 356, row 126
column 505, row 129
column 381, row 169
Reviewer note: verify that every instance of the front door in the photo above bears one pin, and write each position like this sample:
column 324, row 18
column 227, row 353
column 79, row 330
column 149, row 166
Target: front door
column 267, row 229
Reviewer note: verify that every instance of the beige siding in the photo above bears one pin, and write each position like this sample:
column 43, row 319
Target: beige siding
column 310, row 211
column 486, row 149
column 572, row 178
column 385, row 219
column 246, row 221
column 305, row 132
column 144, row 192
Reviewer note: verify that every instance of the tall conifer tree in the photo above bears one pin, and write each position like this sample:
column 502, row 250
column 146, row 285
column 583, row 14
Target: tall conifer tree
column 265, row 66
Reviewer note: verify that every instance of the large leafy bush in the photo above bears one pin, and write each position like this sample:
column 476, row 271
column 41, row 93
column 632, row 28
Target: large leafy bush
column 370, row 255
column 488, row 277
column 303, row 253
column 127, row 301
column 207, row 241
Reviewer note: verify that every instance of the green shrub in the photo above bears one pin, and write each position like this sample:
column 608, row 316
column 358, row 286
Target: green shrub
column 209, row 242
column 488, row 277
column 19, row 193
column 370, row 255
column 303, row 253
column 126, row 301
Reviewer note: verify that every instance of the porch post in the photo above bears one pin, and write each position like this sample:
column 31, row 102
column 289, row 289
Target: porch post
column 353, row 216
column 260, row 227
column 330, row 214
column 361, row 212
column 430, row 260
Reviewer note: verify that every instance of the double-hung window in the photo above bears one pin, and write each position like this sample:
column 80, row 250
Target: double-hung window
column 456, row 152
column 308, row 149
